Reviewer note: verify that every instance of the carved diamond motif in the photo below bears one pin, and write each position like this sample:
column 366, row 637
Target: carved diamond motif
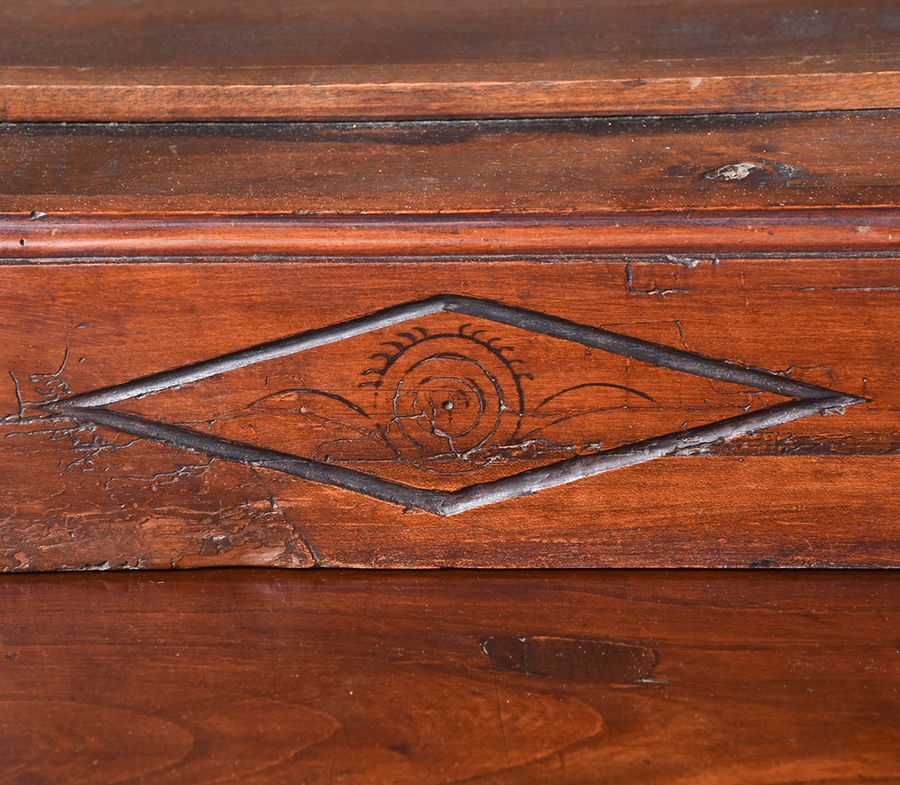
column 452, row 403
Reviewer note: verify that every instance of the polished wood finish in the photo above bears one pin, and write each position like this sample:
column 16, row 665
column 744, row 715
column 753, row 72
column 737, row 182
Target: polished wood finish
column 773, row 162
column 167, row 60
column 812, row 491
column 709, row 235
column 322, row 677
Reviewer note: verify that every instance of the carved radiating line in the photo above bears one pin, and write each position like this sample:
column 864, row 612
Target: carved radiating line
column 810, row 399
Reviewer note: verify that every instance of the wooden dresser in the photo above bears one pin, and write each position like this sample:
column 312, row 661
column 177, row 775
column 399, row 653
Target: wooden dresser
column 497, row 284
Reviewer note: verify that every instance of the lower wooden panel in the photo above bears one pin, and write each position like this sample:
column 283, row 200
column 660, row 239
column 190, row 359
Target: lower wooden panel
column 258, row 677
column 470, row 413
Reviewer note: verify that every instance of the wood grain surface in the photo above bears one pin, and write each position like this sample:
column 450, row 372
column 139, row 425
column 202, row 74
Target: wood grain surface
column 163, row 59
column 561, row 167
column 477, row 402
column 428, row 679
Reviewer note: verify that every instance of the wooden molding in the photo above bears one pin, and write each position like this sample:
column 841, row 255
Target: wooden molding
column 40, row 236
column 507, row 58
column 52, row 95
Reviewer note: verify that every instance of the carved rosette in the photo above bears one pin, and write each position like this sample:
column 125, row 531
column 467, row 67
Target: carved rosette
column 445, row 399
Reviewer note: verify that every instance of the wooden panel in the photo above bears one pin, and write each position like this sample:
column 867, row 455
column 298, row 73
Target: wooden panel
column 506, row 413
column 230, row 59
column 268, row 678
column 553, row 166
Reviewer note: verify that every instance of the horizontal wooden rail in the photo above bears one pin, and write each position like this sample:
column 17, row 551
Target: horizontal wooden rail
column 42, row 237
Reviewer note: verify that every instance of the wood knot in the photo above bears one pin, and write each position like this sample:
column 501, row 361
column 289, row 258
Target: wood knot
column 730, row 172
column 761, row 172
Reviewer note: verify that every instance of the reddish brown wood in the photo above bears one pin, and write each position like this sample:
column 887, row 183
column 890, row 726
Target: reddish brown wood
column 766, row 242
column 604, row 677
column 163, row 60
column 711, row 234
column 815, row 491
column 560, row 167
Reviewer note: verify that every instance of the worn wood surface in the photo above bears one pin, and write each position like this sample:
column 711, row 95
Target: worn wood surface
column 582, row 166
column 324, row 677
column 230, row 59
column 479, row 401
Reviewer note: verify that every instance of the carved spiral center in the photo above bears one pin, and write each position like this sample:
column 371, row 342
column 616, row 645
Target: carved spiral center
column 451, row 397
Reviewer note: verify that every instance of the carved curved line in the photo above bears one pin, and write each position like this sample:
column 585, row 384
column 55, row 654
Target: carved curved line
column 308, row 391
column 596, row 384
column 365, row 436
column 449, row 356
column 568, row 417
column 339, row 423
column 381, row 437
column 486, row 372
column 481, row 408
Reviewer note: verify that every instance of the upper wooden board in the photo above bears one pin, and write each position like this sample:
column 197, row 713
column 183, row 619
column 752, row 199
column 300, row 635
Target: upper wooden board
column 552, row 166
column 719, row 184
column 232, row 59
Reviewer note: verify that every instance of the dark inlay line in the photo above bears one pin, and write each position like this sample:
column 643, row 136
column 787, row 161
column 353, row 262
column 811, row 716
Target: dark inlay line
column 255, row 354
column 184, row 438
column 645, row 351
column 573, row 469
column 808, row 400
column 447, row 503
column 552, row 326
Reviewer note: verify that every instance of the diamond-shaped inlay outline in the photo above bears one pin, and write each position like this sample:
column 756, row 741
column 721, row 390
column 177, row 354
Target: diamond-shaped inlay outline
column 808, row 399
